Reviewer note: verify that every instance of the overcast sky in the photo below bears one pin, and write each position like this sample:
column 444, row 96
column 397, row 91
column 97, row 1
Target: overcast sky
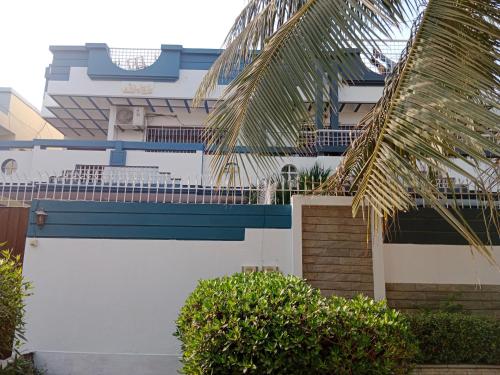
column 29, row 27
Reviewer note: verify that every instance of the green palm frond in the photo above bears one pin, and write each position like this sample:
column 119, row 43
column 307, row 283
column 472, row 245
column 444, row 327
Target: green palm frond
column 301, row 45
column 439, row 105
column 257, row 22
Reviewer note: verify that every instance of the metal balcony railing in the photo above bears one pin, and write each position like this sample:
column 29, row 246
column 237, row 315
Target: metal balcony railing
column 317, row 138
column 175, row 135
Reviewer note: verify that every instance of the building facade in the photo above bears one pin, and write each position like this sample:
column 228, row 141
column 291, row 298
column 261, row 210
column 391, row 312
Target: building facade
column 123, row 216
column 129, row 109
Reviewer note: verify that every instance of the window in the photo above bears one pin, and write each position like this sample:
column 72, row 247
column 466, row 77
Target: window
column 289, row 172
column 9, row 167
column 88, row 173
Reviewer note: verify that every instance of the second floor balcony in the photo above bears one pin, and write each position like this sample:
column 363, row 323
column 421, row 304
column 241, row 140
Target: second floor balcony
column 321, row 140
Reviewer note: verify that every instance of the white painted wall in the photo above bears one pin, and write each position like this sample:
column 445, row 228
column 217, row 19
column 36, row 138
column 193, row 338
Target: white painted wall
column 24, row 159
column 184, row 165
column 300, row 162
column 188, row 166
column 55, row 161
column 438, row 264
column 79, row 83
column 100, row 304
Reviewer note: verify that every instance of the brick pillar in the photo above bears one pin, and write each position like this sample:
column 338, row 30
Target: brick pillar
column 335, row 253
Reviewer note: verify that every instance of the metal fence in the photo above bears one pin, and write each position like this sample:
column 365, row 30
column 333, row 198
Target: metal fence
column 18, row 190
column 134, row 58
column 176, row 135
column 382, row 60
column 315, row 138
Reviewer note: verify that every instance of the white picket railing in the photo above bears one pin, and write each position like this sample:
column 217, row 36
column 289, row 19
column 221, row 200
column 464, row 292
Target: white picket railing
column 18, row 190
column 140, row 187
column 176, row 135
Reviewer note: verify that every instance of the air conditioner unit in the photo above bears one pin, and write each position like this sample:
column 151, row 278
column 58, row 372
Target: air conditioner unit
column 130, row 118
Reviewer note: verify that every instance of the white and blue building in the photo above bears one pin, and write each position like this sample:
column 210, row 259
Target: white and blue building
column 115, row 106
column 113, row 249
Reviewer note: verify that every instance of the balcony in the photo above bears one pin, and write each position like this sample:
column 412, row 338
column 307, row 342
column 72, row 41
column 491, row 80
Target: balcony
column 323, row 140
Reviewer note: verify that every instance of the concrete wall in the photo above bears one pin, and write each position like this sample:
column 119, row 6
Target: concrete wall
column 185, row 87
column 109, row 306
column 32, row 162
column 192, row 166
column 410, row 276
column 444, row 264
column 432, row 276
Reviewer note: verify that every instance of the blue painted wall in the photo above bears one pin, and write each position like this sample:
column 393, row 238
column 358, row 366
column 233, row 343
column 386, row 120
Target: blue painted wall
column 205, row 222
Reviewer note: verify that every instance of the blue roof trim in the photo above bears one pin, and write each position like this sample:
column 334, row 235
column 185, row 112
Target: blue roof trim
column 102, row 145
column 173, row 58
column 201, row 222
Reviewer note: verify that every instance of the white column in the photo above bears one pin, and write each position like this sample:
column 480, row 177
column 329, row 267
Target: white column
column 112, row 123
column 377, row 258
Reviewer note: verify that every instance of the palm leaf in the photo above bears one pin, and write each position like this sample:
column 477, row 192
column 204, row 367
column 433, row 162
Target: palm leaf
column 301, row 46
column 439, row 105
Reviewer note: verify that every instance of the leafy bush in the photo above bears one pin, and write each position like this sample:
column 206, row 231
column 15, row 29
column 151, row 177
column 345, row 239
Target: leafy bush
column 366, row 337
column 267, row 323
column 13, row 289
column 21, row 366
column 454, row 338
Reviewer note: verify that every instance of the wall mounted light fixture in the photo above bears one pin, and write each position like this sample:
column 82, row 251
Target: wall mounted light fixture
column 41, row 217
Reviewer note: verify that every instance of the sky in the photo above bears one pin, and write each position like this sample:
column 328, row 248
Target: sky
column 29, row 27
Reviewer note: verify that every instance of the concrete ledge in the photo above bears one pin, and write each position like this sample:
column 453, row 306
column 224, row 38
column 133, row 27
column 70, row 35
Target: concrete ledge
column 456, row 370
column 65, row 363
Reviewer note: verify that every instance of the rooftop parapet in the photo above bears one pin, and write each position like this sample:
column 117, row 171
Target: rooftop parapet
column 164, row 64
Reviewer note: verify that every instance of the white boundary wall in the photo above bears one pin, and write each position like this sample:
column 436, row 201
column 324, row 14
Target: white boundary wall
column 109, row 306
column 439, row 264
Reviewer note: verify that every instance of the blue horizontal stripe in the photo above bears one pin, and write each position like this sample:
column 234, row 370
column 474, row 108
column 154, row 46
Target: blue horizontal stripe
column 155, row 220
column 139, row 232
column 103, row 145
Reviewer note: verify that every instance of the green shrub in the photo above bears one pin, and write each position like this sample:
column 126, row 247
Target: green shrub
column 367, row 337
column 454, row 338
column 21, row 366
column 13, row 289
column 267, row 323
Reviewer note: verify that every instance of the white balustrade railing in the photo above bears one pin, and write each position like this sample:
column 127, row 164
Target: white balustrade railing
column 335, row 138
column 137, row 186
column 176, row 135
column 322, row 138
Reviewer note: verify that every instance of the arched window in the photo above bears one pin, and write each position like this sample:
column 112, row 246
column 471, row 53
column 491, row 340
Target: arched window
column 289, row 172
column 9, row 167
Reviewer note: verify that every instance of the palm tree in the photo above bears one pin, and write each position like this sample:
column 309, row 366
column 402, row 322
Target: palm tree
column 438, row 112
